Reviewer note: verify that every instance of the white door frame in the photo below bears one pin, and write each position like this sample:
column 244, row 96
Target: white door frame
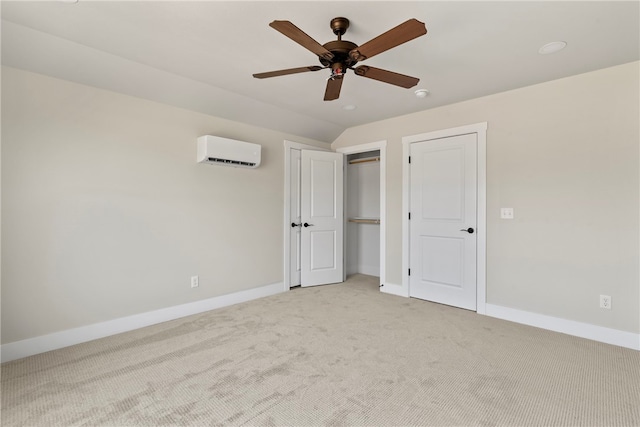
column 288, row 146
column 481, row 255
column 363, row 148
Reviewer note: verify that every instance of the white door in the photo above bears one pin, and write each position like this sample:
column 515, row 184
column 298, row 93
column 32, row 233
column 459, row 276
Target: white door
column 294, row 214
column 322, row 218
column 443, row 216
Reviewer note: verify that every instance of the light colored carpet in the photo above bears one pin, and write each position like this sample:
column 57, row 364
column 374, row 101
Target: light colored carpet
column 342, row 354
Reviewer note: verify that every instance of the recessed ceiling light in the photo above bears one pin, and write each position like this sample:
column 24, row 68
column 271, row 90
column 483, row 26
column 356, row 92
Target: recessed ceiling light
column 421, row 93
column 552, row 47
column 349, row 107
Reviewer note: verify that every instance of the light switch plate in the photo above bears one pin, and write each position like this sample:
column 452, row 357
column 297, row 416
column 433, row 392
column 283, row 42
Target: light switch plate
column 506, row 213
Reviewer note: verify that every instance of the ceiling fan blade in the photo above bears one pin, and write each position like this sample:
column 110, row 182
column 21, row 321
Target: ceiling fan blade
column 333, row 88
column 386, row 76
column 287, row 71
column 404, row 32
column 302, row 38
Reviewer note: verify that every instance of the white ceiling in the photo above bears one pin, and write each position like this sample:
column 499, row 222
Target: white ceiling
column 201, row 55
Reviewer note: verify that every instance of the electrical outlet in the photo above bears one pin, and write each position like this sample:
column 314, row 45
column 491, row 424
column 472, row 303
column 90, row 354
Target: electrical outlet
column 506, row 213
column 195, row 282
column 605, row 302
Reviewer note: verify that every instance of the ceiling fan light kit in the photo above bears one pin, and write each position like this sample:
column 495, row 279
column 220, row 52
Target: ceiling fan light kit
column 341, row 55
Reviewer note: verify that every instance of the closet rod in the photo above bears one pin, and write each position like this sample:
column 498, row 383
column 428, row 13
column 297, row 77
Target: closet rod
column 365, row 160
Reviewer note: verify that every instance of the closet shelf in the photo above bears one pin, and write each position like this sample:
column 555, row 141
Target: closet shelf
column 364, row 160
column 365, row 220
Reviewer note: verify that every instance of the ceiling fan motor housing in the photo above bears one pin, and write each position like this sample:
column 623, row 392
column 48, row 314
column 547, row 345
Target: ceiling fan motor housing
column 340, row 50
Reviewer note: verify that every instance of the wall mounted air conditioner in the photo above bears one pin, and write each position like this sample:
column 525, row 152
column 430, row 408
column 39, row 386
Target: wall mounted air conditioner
column 229, row 152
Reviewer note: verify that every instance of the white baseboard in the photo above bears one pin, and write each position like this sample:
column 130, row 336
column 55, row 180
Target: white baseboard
column 569, row 327
column 393, row 289
column 31, row 346
column 364, row 269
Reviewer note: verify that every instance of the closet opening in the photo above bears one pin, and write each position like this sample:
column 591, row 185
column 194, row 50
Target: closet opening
column 363, row 219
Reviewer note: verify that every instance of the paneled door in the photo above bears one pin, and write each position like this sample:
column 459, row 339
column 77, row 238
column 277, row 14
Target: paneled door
column 443, row 217
column 321, row 203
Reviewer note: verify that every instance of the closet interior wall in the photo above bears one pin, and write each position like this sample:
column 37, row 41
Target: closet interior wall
column 363, row 213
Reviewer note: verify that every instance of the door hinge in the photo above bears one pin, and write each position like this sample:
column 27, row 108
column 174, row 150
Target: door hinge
column 409, row 159
column 409, row 272
column 409, row 215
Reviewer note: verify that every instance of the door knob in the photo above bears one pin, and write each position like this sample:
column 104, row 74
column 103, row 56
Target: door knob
column 293, row 224
column 468, row 230
column 306, row 224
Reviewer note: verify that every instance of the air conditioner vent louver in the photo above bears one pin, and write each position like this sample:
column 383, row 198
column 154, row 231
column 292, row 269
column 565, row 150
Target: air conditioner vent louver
column 233, row 162
column 228, row 152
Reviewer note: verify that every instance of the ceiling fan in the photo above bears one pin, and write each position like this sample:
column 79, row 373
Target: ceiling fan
column 340, row 55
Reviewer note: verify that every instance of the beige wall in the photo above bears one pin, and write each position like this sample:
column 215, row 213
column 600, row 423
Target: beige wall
column 105, row 212
column 565, row 156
